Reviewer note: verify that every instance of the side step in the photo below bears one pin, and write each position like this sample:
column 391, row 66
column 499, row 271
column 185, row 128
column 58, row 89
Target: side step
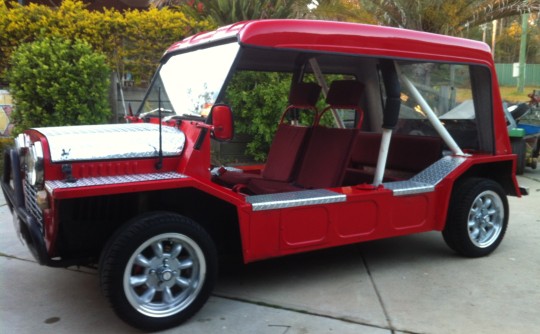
column 294, row 199
column 426, row 180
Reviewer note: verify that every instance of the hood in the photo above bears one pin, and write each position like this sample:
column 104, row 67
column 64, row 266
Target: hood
column 111, row 141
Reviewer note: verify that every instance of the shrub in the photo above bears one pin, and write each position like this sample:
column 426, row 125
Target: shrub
column 56, row 82
column 258, row 100
column 133, row 40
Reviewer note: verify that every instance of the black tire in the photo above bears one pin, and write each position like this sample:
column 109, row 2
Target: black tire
column 519, row 148
column 158, row 270
column 477, row 217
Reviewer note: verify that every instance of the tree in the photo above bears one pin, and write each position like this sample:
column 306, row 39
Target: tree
column 56, row 81
column 443, row 16
column 341, row 10
column 508, row 41
column 224, row 12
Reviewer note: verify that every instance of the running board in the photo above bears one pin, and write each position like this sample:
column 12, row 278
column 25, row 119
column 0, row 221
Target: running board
column 423, row 182
column 426, row 180
column 294, row 199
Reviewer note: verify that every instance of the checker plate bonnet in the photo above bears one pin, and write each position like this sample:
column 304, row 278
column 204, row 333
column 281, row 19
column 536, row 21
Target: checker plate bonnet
column 111, row 141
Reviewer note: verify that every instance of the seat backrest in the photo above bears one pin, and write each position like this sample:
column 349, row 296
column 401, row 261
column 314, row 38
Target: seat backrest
column 303, row 95
column 345, row 94
column 288, row 144
column 326, row 157
column 328, row 151
column 285, row 151
column 406, row 153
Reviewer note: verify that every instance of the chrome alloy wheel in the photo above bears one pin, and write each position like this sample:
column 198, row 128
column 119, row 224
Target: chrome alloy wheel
column 164, row 275
column 486, row 218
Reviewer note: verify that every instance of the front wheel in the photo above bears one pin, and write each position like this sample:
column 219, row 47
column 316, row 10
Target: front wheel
column 477, row 217
column 158, row 270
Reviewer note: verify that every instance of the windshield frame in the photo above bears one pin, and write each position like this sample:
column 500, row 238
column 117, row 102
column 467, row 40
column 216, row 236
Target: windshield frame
column 182, row 76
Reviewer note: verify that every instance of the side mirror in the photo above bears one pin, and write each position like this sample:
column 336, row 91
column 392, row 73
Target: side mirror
column 221, row 118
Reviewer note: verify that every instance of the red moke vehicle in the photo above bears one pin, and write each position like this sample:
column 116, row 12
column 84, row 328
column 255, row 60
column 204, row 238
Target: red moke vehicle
column 387, row 132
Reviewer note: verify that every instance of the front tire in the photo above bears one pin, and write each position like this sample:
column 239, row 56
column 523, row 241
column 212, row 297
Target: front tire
column 158, row 270
column 477, row 217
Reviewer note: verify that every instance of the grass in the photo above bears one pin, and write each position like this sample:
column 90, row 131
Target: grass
column 510, row 94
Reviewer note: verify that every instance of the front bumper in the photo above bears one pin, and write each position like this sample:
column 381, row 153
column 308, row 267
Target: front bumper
column 27, row 226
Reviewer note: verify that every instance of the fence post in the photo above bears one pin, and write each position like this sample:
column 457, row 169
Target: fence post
column 522, row 52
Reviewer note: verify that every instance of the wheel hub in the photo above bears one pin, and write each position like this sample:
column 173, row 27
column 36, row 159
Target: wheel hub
column 165, row 274
column 485, row 222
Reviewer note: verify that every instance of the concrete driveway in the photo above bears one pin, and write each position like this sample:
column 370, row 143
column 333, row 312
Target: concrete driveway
column 412, row 284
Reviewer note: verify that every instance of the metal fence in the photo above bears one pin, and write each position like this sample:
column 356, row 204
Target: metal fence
column 506, row 78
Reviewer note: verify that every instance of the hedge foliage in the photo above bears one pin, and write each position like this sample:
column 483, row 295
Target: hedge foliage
column 258, row 100
column 56, row 81
column 133, row 41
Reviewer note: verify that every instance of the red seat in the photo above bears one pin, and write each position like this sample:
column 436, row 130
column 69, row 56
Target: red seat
column 323, row 165
column 345, row 94
column 408, row 155
column 288, row 143
column 328, row 150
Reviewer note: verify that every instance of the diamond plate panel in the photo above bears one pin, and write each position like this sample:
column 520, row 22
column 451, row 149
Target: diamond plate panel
column 438, row 171
column 111, row 141
column 107, row 180
column 426, row 180
column 294, row 199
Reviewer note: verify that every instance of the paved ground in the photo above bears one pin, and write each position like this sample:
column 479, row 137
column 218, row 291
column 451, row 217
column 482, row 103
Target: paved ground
column 411, row 284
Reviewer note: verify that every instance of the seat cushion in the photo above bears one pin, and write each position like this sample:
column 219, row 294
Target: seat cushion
column 263, row 186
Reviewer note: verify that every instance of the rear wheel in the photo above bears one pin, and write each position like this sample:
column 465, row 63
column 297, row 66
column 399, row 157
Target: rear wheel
column 158, row 270
column 477, row 217
column 519, row 148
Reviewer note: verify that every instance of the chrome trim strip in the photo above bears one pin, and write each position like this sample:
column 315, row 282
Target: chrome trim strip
column 426, row 180
column 108, row 180
column 294, row 199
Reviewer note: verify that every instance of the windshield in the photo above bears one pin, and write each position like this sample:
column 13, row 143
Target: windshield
column 189, row 83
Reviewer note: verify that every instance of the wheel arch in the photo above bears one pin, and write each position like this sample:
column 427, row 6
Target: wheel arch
column 500, row 172
column 86, row 224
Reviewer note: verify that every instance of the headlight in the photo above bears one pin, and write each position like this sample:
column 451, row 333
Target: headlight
column 34, row 164
column 22, row 142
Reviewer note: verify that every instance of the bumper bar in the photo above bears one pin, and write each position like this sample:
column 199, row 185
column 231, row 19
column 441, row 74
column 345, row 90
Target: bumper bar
column 25, row 224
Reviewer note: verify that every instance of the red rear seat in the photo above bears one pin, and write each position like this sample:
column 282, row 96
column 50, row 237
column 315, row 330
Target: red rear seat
column 408, row 155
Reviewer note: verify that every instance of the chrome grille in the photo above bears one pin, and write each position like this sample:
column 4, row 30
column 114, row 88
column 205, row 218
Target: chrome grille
column 30, row 197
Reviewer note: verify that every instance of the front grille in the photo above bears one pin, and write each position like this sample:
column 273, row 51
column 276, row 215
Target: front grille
column 30, row 197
